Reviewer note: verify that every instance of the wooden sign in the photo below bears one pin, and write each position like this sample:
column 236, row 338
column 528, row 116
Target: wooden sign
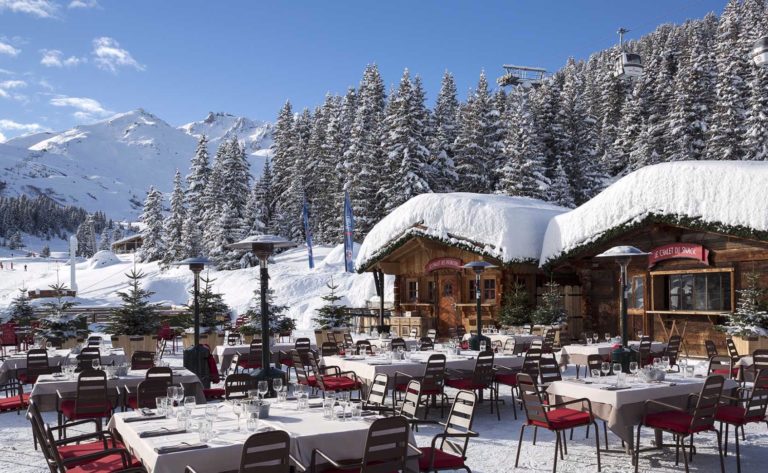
column 678, row 250
column 443, row 263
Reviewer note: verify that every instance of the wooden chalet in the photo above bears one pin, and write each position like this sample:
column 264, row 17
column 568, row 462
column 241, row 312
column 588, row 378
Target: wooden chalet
column 128, row 244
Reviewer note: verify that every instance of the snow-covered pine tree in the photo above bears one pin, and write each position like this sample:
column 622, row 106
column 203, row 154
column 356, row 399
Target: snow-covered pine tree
column 550, row 311
column 211, row 304
column 404, row 147
column 444, row 178
column 495, row 131
column 750, row 317
column 213, row 197
column 86, row 240
column 236, row 177
column 756, row 127
column 279, row 321
column 152, row 248
column 46, row 251
column 117, row 233
column 523, row 170
column 545, row 103
column 560, row 192
column 173, row 235
column 322, row 181
column 105, row 240
column 192, row 239
column 332, row 315
column 197, row 179
column 15, row 242
column 21, row 310
column 226, row 231
column 136, row 315
column 472, row 157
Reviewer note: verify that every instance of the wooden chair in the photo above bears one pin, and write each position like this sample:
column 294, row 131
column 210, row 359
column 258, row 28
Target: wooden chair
column 37, row 364
column 723, row 366
column 554, row 417
column 363, row 347
column 509, row 346
column 672, row 350
column 432, row 382
column 448, row 450
column 711, row 348
column 594, row 362
column 386, row 449
column 683, row 423
column 483, row 377
column 91, row 400
column 331, row 336
column 142, row 360
column 236, row 386
column 252, row 360
column 302, row 345
column 741, row 411
column 759, row 361
column 398, row 343
column 329, row 349
column 426, row 344
column 549, row 341
column 14, row 398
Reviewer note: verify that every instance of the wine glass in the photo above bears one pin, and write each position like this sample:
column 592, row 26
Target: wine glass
column 616, row 368
column 48, row 346
column 595, row 338
column 607, row 337
column 277, row 385
column 237, row 408
column 665, row 362
column 171, row 393
column 95, row 364
column 343, row 402
column 595, row 373
column 263, row 387
column 633, row 368
column 657, row 363
column 605, row 368
column 252, row 421
column 189, row 404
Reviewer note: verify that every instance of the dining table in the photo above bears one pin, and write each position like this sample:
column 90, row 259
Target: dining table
column 224, row 353
column 10, row 367
column 621, row 407
column 522, row 341
column 577, row 354
column 44, row 392
column 339, row 438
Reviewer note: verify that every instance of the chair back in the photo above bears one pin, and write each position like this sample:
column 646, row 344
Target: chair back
column 644, row 350
column 703, row 414
column 234, row 364
column 509, row 346
column 348, row 342
column 537, row 344
column 142, row 360
column 44, row 439
column 673, row 349
column 434, row 373
column 332, row 337
column 452, row 333
column 37, row 362
column 426, row 344
column 720, row 364
column 233, row 339
column 483, row 373
column 594, row 362
column 432, row 333
column 237, row 385
column 413, row 333
column 711, row 348
column 459, row 422
column 149, row 389
column 94, row 341
column 758, row 398
column 364, row 347
column 410, row 405
column 398, row 343
column 159, row 372
column 85, row 359
column 533, row 402
column 302, row 377
column 760, row 359
column 461, row 331
column 378, row 392
column 386, row 448
column 256, row 346
column 302, row 344
column 329, row 349
column 549, row 371
column 549, row 341
column 91, row 395
column 266, row 452
column 732, row 351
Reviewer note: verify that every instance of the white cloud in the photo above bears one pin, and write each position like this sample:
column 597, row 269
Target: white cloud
column 12, row 84
column 6, row 48
column 8, row 85
column 86, row 109
column 3, row 139
column 110, row 56
column 3, row 94
column 10, row 125
column 55, row 58
column 84, row 4
column 38, row 8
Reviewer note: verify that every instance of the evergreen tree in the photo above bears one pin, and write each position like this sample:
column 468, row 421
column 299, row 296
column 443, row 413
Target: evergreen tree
column 279, row 322
column 15, row 242
column 46, row 251
column 117, row 234
column 211, row 304
column 332, row 315
column 560, row 192
column 192, row 239
column 57, row 323
column 152, row 248
column 516, row 309
column 750, row 318
column 225, row 232
column 20, row 309
column 197, row 179
column 550, row 310
column 86, row 238
column 472, row 156
column 136, row 316
column 174, row 226
column 444, row 177
column 105, row 240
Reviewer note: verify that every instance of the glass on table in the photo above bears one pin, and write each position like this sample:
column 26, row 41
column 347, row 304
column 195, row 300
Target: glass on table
column 277, row 385
column 657, row 363
column 356, row 410
column 263, row 388
column 665, row 362
column 237, row 409
column 690, row 371
column 607, row 337
column 616, row 368
column 633, row 367
column 182, row 419
column 95, row 364
column 589, row 340
column 211, row 412
column 252, row 421
column 595, row 337
column 605, row 368
column 189, row 403
column 595, row 372
column 328, row 404
column 205, row 430
column 160, row 404
column 483, row 345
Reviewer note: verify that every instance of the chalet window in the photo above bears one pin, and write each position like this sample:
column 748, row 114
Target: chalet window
column 431, row 291
column 413, row 290
column 637, row 292
column 699, row 291
column 448, row 289
column 472, row 290
column 489, row 290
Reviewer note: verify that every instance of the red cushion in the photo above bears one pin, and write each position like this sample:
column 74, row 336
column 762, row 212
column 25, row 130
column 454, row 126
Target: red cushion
column 214, row 393
column 76, row 450
column 26, row 379
column 675, row 421
column 735, row 415
column 132, row 402
column 466, row 384
column 248, row 364
column 68, row 409
column 311, row 381
column 286, row 361
column 13, row 403
column 508, row 379
column 340, row 383
column 443, row 460
column 724, row 372
column 564, row 418
column 105, row 464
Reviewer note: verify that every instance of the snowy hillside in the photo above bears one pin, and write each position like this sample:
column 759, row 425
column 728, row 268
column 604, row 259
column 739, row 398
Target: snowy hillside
column 295, row 285
column 110, row 164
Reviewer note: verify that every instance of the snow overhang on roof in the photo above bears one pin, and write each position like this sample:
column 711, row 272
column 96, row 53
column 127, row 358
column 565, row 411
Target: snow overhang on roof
column 127, row 239
column 723, row 196
column 509, row 229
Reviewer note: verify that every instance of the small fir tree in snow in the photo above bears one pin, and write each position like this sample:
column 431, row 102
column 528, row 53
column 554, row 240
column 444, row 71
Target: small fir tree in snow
column 332, row 315
column 279, row 322
column 105, row 241
column 46, row 251
column 57, row 323
column 136, row 316
column 20, row 309
column 550, row 310
column 211, row 304
column 86, row 237
column 516, row 309
column 152, row 248
column 15, row 242
column 750, row 318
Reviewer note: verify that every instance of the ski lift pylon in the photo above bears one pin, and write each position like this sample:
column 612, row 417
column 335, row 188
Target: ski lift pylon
column 521, row 75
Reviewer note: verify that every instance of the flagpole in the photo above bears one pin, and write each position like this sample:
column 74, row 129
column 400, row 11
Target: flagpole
column 308, row 233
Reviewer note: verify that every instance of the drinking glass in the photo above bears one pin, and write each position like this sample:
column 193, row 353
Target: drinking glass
column 639, row 334
column 263, row 387
column 328, row 404
column 211, row 413
column 633, row 368
column 356, row 409
column 252, row 422
column 595, row 337
column 616, row 368
column 589, row 340
column 160, row 405
column 205, row 430
column 605, row 368
column 343, row 402
column 665, row 362
column 48, row 346
column 277, row 385
column 683, row 365
column 482, row 345
column 189, row 404
column 607, row 337
column 690, row 371
column 237, row 408
column 181, row 419
column 657, row 363
column 595, row 373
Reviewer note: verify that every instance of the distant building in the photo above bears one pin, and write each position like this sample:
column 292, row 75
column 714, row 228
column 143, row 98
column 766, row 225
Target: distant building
column 128, row 244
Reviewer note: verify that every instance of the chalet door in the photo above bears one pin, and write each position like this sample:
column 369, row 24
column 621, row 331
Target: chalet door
column 448, row 291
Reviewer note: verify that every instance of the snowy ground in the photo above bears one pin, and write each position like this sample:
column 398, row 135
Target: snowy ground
column 493, row 452
column 100, row 278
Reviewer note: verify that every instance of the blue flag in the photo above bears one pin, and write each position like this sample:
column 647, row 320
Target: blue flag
column 308, row 233
column 349, row 231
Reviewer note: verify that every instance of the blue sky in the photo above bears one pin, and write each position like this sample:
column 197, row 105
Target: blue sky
column 65, row 62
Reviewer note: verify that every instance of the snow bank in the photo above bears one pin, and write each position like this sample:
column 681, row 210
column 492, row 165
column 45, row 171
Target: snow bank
column 730, row 193
column 503, row 227
column 103, row 258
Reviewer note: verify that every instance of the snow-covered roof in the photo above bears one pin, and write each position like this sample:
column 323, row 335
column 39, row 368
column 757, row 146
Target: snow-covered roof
column 726, row 195
column 507, row 228
column 127, row 239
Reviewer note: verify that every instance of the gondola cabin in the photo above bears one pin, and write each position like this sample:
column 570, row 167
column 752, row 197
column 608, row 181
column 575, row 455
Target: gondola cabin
column 628, row 66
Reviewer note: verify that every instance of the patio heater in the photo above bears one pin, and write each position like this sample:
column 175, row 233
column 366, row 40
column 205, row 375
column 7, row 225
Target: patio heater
column 263, row 246
column 195, row 357
column 478, row 267
column 623, row 255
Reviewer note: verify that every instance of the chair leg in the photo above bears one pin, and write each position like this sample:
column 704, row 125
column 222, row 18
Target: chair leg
column 690, row 453
column 677, row 449
column 557, row 447
column 685, row 455
column 637, row 447
column 725, row 440
column 597, row 444
column 565, row 444
column 535, row 431
column 605, row 434
column 720, row 451
column 514, row 408
column 519, row 444
column 738, row 453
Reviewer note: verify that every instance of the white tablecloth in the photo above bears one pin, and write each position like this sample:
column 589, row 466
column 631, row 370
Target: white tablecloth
column 10, row 365
column 308, row 430
column 577, row 354
column 224, row 353
column 44, row 391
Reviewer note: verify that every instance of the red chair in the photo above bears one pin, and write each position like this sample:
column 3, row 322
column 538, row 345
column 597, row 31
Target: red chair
column 482, row 377
column 15, row 398
column 91, row 400
column 432, row 382
column 214, row 393
column 554, row 417
column 508, row 376
column 448, row 450
column 37, row 364
column 8, row 337
column 723, row 366
column 332, row 379
column 682, row 423
column 744, row 411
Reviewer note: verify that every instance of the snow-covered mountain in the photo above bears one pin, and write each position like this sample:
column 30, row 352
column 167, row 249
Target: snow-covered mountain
column 109, row 165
